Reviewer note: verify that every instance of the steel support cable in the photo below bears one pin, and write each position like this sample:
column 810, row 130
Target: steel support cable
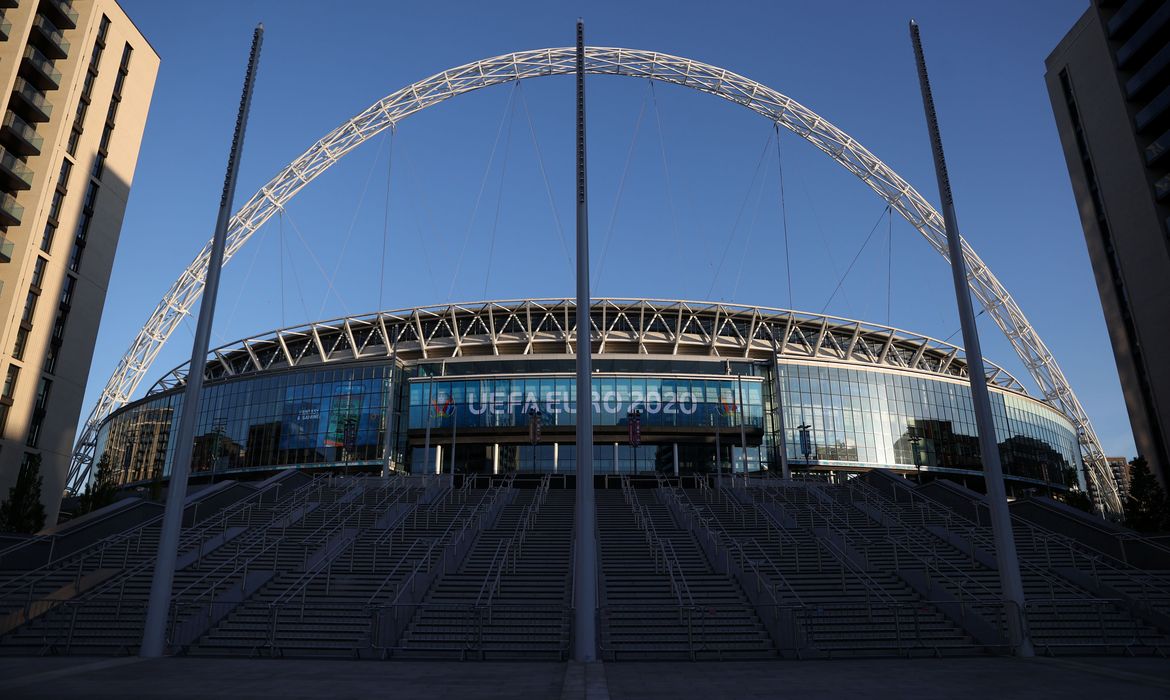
column 783, row 214
column 666, row 174
column 617, row 200
column 353, row 221
column 247, row 276
column 296, row 275
column 751, row 229
column 855, row 257
column 889, row 263
column 320, row 268
column 499, row 196
column 544, row 176
column 739, row 214
column 419, row 198
column 280, row 221
column 386, row 218
column 825, row 242
column 482, row 185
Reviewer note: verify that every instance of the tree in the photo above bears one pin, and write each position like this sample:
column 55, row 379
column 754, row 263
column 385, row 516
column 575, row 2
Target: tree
column 23, row 510
column 1079, row 499
column 102, row 491
column 1146, row 510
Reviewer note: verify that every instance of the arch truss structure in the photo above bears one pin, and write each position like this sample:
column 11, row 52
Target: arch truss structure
column 635, row 63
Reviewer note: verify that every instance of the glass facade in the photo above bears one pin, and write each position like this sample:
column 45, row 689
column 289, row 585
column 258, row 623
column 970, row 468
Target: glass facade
column 862, row 417
column 834, row 416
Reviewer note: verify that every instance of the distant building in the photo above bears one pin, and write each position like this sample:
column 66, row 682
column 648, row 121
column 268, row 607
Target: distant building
column 76, row 86
column 1120, row 468
column 1109, row 82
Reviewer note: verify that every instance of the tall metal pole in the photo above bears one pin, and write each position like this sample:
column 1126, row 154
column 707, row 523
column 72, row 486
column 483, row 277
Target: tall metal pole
column 427, row 439
column 391, row 424
column 585, row 564
column 742, row 432
column 154, row 630
column 1001, row 524
column 778, row 407
column 454, row 434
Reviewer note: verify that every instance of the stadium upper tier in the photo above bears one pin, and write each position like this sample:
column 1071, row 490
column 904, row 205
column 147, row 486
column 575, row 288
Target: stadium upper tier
column 620, row 326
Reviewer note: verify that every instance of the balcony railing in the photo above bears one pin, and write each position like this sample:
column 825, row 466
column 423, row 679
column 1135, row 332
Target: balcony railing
column 37, row 108
column 61, row 12
column 5, row 28
column 40, row 69
column 14, row 174
column 20, row 136
column 49, row 38
column 6, row 249
column 10, row 212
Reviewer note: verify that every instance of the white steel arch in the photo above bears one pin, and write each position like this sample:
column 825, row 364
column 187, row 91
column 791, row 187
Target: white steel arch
column 635, row 63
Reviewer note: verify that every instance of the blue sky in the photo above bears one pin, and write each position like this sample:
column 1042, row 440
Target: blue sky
column 699, row 214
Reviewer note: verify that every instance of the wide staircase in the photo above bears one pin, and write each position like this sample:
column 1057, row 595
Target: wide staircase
column 1067, row 609
column 509, row 598
column 838, row 606
column 660, row 596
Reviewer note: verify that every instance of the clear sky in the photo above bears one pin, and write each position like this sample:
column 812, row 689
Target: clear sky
column 699, row 213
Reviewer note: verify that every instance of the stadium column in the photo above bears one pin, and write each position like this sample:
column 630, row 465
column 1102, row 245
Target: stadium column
column 154, row 640
column 1001, row 524
column 585, row 556
column 778, row 409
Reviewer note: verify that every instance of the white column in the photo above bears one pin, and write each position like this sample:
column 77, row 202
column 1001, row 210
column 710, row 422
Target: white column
column 496, row 458
column 616, row 469
column 675, row 446
column 556, row 456
column 438, row 459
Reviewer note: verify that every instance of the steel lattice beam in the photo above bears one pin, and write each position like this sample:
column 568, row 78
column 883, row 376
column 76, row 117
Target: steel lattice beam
column 779, row 108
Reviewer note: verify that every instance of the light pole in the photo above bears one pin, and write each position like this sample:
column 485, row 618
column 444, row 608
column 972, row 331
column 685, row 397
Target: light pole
column 914, row 440
column 805, row 443
column 634, row 427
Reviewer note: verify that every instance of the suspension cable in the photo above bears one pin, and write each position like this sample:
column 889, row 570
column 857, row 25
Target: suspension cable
column 823, row 239
column 666, row 174
column 783, row 214
column 353, row 221
column 296, row 275
column 418, row 197
column 544, row 175
column 617, row 199
column 751, row 229
column 482, row 185
column 244, row 285
column 889, row 262
column 320, row 268
column 499, row 196
column 386, row 218
column 738, row 215
column 855, row 257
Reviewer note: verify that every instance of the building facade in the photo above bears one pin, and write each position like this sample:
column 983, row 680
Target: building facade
column 1109, row 83
column 709, row 384
column 77, row 80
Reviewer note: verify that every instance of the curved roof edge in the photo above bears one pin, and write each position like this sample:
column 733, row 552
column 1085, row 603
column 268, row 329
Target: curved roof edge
column 619, row 326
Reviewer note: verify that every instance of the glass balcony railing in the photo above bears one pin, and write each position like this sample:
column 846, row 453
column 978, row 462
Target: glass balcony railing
column 62, row 13
column 5, row 29
column 10, row 212
column 50, row 39
column 38, row 108
column 43, row 74
column 13, row 172
column 21, row 137
column 6, row 249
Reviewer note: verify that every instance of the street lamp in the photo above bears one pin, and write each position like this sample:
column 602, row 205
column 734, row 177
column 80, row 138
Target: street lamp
column 915, row 438
column 805, row 441
column 634, row 425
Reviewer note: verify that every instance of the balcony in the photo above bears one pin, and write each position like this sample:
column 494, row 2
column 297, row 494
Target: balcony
column 19, row 136
column 38, row 70
column 10, row 212
column 49, row 39
column 61, row 12
column 32, row 103
column 7, row 247
column 14, row 174
column 5, row 28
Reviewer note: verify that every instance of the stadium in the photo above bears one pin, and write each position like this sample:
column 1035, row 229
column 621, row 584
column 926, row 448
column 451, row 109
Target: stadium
column 467, row 379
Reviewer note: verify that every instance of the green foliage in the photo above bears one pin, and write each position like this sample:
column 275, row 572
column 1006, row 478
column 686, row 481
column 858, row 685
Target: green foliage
column 1079, row 500
column 102, row 491
column 1147, row 508
column 23, row 510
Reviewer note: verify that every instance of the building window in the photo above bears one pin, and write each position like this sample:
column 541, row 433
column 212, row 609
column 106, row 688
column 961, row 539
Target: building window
column 10, row 381
column 21, row 342
column 38, row 271
column 87, row 87
column 3, row 417
column 30, row 307
column 51, row 357
column 59, row 326
column 67, row 290
column 43, row 390
column 34, row 432
column 47, row 236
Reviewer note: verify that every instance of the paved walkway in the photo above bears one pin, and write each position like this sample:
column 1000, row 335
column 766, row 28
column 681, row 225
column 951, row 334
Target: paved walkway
column 958, row 679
